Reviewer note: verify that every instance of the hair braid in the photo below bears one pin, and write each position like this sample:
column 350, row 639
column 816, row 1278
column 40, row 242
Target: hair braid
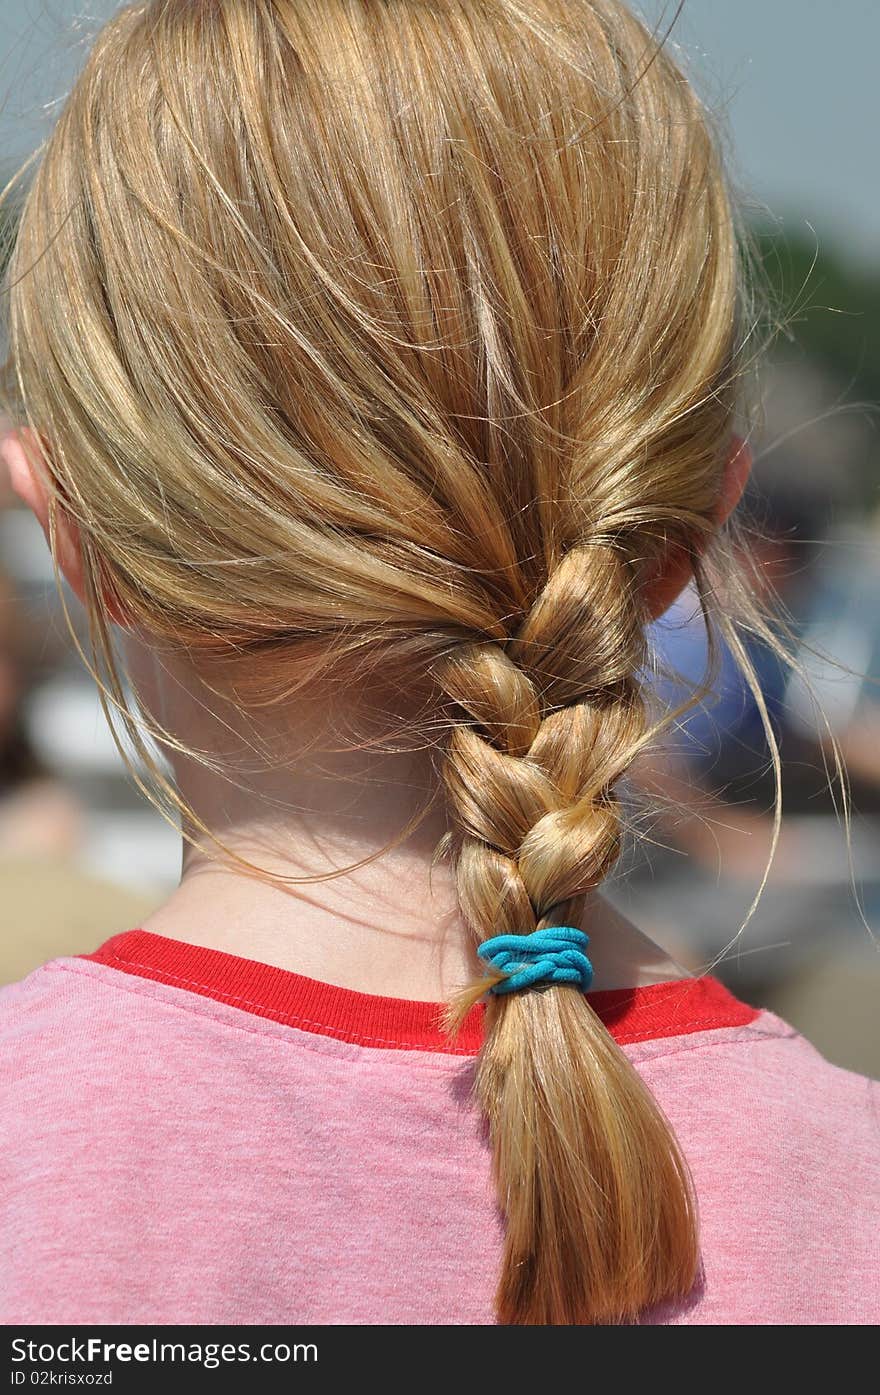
column 599, row 1209
column 376, row 341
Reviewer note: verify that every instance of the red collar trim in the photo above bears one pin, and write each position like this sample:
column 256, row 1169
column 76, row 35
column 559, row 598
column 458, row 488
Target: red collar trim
column 634, row 1014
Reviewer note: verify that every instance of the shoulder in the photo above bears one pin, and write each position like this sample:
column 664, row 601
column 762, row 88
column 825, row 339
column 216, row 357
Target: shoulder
column 34, row 1006
column 75, row 1021
column 47, row 1019
column 783, row 1148
column 766, row 1084
column 47, row 996
column 762, row 1110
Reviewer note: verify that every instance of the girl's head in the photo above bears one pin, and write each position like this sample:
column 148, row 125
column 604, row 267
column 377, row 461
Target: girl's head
column 401, row 341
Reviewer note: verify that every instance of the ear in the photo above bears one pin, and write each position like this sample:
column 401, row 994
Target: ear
column 736, row 477
column 24, row 453
column 676, row 575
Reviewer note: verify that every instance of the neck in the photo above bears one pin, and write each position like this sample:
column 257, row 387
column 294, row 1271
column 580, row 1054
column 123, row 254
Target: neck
column 389, row 922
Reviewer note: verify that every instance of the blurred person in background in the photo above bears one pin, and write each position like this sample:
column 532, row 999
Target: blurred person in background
column 38, row 814
column 713, row 770
column 50, row 902
column 710, row 781
column 845, row 620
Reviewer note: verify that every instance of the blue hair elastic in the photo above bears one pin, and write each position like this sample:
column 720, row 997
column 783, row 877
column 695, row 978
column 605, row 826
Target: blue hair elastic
column 554, row 955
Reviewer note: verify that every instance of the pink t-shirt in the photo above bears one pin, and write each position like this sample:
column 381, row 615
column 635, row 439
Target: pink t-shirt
column 192, row 1137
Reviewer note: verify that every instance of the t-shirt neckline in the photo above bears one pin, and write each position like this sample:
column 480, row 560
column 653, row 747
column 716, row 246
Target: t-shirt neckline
column 672, row 1008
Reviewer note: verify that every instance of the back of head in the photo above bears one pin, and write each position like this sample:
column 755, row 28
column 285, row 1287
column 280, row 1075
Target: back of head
column 403, row 339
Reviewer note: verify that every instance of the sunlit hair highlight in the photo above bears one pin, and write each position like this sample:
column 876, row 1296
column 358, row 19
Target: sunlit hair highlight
column 408, row 340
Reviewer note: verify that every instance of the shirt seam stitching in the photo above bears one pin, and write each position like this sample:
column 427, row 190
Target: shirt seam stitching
column 362, row 1037
column 270, row 1014
column 412, row 1048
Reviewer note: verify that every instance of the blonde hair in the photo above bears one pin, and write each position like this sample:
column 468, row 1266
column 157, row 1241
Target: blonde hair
column 408, row 338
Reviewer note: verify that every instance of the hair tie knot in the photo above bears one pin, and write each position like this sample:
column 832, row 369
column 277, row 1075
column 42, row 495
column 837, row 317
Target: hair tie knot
column 553, row 955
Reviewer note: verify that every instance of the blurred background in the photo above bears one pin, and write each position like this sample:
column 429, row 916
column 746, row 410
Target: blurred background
column 82, row 853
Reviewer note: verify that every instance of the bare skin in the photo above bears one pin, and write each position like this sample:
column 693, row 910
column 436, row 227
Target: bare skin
column 391, row 926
